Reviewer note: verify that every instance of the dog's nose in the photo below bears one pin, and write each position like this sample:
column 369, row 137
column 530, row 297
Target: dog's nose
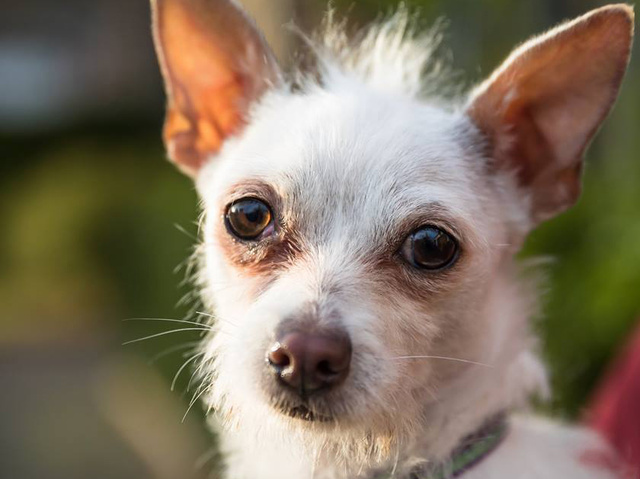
column 311, row 362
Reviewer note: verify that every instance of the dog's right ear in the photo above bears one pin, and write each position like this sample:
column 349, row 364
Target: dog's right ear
column 542, row 107
column 215, row 65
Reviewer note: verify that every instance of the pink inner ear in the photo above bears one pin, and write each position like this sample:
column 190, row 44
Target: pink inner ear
column 215, row 64
column 541, row 108
column 197, row 128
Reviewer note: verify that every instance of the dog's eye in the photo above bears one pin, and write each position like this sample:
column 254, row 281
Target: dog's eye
column 429, row 248
column 248, row 218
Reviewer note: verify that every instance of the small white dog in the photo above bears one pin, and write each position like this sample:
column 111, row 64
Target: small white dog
column 358, row 243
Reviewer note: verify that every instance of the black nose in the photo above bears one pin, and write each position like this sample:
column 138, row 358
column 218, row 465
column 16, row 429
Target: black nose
column 311, row 362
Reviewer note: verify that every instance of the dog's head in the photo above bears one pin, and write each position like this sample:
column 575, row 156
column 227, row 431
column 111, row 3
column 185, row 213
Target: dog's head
column 352, row 227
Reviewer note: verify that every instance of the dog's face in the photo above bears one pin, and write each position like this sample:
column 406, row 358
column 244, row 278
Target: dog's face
column 357, row 227
column 352, row 229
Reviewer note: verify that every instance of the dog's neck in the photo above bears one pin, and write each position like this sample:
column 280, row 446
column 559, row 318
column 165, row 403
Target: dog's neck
column 510, row 373
column 471, row 450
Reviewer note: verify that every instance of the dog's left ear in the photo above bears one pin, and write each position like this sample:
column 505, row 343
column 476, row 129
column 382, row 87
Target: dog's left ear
column 540, row 109
column 215, row 64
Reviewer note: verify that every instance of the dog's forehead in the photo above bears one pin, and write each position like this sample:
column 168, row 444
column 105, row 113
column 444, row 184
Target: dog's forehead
column 349, row 151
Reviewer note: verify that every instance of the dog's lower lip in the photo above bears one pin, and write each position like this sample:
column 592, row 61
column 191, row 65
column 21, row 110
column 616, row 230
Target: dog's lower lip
column 304, row 413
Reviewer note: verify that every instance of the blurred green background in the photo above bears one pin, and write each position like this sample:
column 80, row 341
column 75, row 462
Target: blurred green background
column 96, row 227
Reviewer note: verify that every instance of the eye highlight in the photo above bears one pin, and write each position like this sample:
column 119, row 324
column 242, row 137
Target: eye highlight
column 429, row 248
column 249, row 218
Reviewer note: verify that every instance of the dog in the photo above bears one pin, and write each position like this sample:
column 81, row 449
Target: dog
column 359, row 235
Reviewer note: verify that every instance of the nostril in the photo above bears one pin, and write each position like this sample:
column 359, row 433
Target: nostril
column 285, row 361
column 325, row 368
column 330, row 359
column 278, row 357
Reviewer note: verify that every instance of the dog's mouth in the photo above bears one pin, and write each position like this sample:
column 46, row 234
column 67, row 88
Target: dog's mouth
column 303, row 412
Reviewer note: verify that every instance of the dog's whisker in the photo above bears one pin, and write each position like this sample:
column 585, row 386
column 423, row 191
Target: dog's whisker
column 194, row 400
column 445, row 358
column 182, row 230
column 173, row 349
column 216, row 318
column 395, row 464
column 164, row 333
column 201, row 387
column 227, row 333
column 184, row 365
column 195, row 372
column 171, row 320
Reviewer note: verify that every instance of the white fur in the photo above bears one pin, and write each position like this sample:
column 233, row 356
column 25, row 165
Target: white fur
column 351, row 157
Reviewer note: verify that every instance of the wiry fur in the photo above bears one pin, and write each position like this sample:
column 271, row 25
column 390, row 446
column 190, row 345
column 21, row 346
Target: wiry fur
column 358, row 157
column 393, row 56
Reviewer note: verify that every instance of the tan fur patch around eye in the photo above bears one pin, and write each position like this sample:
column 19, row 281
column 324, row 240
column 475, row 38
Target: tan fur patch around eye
column 392, row 270
column 406, row 284
column 258, row 258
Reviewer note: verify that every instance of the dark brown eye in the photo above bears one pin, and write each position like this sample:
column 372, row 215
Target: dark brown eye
column 248, row 218
column 429, row 248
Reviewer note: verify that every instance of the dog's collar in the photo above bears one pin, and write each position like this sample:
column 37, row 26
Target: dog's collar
column 470, row 451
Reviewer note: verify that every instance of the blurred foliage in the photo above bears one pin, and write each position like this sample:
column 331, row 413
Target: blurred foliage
column 89, row 218
column 592, row 301
column 96, row 230
column 88, row 232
